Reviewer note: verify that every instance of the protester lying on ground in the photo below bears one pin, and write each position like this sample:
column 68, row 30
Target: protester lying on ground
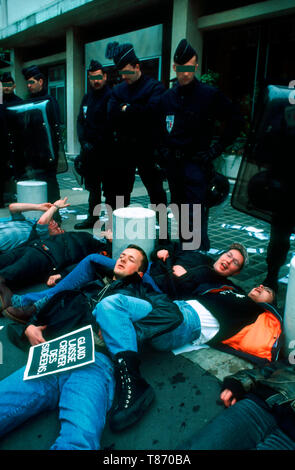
column 109, row 313
column 126, row 280
column 117, row 314
column 34, row 261
column 259, row 415
column 16, row 230
column 183, row 274
column 208, row 274
column 82, row 395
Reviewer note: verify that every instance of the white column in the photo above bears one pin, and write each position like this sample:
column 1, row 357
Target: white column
column 289, row 315
column 75, row 87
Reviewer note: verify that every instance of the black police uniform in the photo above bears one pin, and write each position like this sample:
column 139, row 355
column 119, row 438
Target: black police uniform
column 94, row 138
column 188, row 115
column 134, row 131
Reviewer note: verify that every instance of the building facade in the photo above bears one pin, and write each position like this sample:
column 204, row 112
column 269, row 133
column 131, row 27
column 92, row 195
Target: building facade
column 242, row 44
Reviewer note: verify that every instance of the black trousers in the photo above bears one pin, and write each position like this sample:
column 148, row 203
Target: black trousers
column 188, row 186
column 126, row 158
column 24, row 265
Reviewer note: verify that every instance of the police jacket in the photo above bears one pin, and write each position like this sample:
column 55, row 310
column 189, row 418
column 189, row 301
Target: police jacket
column 272, row 387
column 11, row 98
column 189, row 114
column 92, row 118
column 139, row 122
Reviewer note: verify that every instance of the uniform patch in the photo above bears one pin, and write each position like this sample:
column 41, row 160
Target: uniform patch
column 169, row 122
column 85, row 111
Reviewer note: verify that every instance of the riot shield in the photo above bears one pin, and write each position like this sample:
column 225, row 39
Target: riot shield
column 34, row 139
column 265, row 181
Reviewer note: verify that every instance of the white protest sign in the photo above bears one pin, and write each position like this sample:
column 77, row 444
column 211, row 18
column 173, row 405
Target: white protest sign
column 67, row 352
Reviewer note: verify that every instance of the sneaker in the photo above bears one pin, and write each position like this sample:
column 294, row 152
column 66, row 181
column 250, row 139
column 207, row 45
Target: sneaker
column 133, row 394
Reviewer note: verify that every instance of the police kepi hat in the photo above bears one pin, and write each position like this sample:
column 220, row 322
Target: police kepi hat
column 94, row 66
column 123, row 55
column 184, row 52
column 32, row 71
column 7, row 77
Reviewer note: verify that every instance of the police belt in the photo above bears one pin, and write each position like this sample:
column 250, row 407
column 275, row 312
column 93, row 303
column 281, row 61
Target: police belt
column 183, row 155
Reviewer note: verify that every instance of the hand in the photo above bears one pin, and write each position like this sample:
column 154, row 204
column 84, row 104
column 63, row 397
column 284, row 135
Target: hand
column 227, row 397
column 87, row 147
column 51, row 281
column 108, row 235
column 34, row 334
column 45, row 206
column 61, row 203
column 178, row 270
column 163, row 254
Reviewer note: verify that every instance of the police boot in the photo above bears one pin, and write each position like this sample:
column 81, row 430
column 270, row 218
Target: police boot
column 133, row 394
column 87, row 223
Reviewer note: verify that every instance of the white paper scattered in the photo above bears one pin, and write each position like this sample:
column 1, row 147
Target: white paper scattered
column 189, row 347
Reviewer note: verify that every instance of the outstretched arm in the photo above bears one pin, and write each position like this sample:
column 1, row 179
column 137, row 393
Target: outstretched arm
column 47, row 216
column 16, row 207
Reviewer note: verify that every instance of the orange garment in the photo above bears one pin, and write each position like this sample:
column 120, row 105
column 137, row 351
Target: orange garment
column 259, row 337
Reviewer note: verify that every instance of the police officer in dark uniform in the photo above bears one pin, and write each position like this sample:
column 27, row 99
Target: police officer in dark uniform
column 8, row 87
column 189, row 111
column 94, row 138
column 132, row 114
column 9, row 98
column 41, row 170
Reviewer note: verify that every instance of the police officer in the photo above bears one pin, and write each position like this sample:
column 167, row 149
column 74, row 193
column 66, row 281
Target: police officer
column 9, row 98
column 132, row 114
column 189, row 111
column 8, row 87
column 94, row 138
column 41, row 170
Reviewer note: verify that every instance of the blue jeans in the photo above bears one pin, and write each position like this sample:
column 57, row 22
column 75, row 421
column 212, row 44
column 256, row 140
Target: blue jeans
column 83, row 396
column 243, row 426
column 83, row 273
column 117, row 313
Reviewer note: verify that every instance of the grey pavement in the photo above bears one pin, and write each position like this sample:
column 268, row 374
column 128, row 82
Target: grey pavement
column 187, row 385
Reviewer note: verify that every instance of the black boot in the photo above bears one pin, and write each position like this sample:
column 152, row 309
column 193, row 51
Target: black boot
column 133, row 394
column 87, row 223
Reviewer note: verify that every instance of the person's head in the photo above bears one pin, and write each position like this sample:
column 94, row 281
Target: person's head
column 262, row 293
column 132, row 260
column 54, row 228
column 127, row 63
column 185, row 63
column 35, row 79
column 8, row 84
column 96, row 75
column 231, row 261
